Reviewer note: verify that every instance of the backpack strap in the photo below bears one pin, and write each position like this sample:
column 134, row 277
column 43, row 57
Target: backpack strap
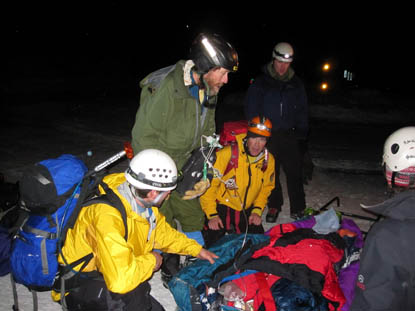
column 233, row 162
column 116, row 202
column 265, row 292
column 265, row 164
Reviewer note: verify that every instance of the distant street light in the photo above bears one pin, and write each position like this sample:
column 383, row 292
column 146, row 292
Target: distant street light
column 324, row 86
column 326, row 67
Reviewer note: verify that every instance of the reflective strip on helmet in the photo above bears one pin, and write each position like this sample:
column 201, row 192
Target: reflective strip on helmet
column 141, row 178
column 212, row 53
column 260, row 126
column 285, row 56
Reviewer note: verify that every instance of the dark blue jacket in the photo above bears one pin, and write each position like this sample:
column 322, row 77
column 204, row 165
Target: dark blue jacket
column 283, row 102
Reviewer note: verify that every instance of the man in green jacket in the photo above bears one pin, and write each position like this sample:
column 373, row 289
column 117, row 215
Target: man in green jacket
column 177, row 108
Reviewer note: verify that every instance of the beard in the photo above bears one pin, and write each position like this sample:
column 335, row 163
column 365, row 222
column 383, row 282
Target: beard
column 214, row 90
column 213, row 87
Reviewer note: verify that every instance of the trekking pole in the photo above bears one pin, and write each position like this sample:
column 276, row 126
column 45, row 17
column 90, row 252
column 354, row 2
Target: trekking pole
column 15, row 307
column 127, row 151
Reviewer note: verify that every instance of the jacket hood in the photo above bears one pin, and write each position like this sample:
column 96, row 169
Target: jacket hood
column 400, row 207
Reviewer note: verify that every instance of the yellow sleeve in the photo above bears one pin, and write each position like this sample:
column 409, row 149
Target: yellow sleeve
column 122, row 269
column 170, row 240
column 266, row 188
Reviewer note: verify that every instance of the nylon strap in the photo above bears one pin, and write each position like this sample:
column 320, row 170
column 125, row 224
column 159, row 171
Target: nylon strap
column 265, row 292
column 45, row 268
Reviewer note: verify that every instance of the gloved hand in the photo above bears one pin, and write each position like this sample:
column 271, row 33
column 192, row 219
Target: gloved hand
column 198, row 189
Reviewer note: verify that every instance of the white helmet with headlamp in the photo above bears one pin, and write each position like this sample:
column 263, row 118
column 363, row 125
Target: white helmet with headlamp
column 399, row 158
column 152, row 169
column 283, row 52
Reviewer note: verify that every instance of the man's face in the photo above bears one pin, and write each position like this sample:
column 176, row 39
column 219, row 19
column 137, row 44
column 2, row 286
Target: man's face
column 215, row 79
column 281, row 67
column 256, row 145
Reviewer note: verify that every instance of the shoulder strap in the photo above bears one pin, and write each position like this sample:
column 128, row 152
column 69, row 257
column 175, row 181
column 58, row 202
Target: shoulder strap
column 265, row 291
column 265, row 164
column 115, row 201
column 233, row 162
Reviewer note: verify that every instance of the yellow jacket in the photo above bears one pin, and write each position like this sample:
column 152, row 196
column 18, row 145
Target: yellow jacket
column 260, row 187
column 124, row 264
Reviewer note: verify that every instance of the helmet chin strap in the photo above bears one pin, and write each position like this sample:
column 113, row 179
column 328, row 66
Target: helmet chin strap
column 157, row 201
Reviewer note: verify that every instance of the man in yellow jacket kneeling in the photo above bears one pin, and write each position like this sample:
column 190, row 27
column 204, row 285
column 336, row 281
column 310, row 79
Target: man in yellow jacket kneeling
column 124, row 266
column 237, row 197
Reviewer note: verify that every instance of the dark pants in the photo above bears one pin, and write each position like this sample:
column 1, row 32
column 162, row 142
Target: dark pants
column 94, row 295
column 285, row 148
column 233, row 221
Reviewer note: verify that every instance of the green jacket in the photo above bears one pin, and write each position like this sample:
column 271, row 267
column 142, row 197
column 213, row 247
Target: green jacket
column 169, row 118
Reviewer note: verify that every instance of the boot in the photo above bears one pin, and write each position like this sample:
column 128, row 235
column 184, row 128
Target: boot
column 272, row 215
column 169, row 267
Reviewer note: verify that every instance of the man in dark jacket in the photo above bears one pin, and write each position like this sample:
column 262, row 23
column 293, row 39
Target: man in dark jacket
column 279, row 95
column 386, row 278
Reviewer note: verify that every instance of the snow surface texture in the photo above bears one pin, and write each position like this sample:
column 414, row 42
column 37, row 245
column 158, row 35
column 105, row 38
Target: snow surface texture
column 347, row 160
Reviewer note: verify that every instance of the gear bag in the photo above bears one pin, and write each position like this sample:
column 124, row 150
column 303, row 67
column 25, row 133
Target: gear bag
column 230, row 129
column 53, row 192
column 49, row 190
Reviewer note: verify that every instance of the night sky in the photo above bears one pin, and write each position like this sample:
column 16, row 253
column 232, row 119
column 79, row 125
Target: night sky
column 122, row 41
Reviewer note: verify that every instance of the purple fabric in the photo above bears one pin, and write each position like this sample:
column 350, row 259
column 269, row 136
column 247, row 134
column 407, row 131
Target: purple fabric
column 351, row 225
column 308, row 222
column 347, row 280
column 348, row 276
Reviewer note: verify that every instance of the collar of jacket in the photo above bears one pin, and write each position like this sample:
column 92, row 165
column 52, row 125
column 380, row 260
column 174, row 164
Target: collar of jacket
column 269, row 69
column 146, row 213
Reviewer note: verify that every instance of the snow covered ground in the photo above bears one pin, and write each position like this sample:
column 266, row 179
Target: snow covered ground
column 346, row 157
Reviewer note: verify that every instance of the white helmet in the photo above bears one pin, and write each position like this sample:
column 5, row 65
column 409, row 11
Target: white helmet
column 284, row 52
column 399, row 157
column 152, row 169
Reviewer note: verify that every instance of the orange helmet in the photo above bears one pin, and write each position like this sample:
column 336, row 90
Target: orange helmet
column 260, row 126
